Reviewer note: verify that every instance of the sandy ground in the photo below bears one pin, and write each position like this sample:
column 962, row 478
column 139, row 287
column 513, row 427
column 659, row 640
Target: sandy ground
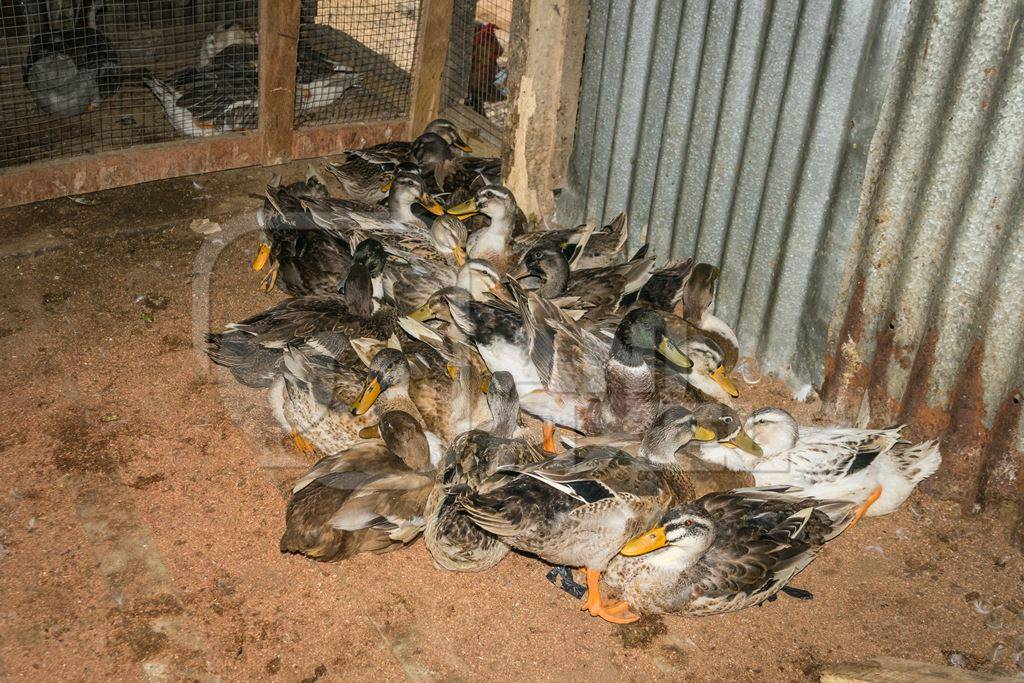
column 141, row 506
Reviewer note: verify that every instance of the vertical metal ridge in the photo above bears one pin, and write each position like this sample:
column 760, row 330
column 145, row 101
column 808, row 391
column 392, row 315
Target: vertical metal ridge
column 856, row 168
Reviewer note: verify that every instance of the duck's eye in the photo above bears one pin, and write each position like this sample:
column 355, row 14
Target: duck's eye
column 688, row 522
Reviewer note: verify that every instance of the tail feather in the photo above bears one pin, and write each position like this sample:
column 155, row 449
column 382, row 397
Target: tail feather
column 916, row 462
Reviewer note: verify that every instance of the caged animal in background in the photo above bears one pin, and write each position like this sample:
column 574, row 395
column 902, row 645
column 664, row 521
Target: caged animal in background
column 73, row 71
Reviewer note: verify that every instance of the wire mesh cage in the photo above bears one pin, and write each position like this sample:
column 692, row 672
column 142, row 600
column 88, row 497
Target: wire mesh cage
column 475, row 89
column 84, row 76
column 355, row 60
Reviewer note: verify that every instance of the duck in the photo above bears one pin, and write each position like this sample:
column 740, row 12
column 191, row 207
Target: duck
column 364, row 172
column 369, row 497
column 454, row 541
column 564, row 374
column 253, row 349
column 493, row 242
column 601, row 291
column 875, row 466
column 302, row 258
column 574, row 378
column 458, row 176
column 686, row 289
column 320, row 81
column 658, row 445
column 221, row 97
column 725, row 551
column 73, row 71
column 579, row 508
column 388, row 386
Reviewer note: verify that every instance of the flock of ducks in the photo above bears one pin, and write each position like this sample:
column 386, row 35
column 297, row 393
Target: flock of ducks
column 73, row 71
column 492, row 387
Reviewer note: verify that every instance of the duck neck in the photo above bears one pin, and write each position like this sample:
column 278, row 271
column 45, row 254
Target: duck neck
column 631, row 398
column 504, row 416
column 492, row 239
column 400, row 209
column 658, row 446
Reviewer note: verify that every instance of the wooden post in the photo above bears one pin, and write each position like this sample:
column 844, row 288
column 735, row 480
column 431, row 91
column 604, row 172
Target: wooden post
column 545, row 68
column 431, row 55
column 279, row 44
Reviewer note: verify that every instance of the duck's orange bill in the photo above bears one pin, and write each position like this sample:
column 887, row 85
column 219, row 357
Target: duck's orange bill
column 645, row 543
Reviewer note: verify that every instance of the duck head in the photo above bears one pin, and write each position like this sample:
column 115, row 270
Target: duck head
column 681, row 531
column 673, row 428
column 708, row 375
column 494, row 201
column 724, row 423
column 449, row 133
column 370, row 253
column 479, row 278
column 408, row 189
column 388, row 370
column 549, row 266
column 644, row 330
column 773, row 429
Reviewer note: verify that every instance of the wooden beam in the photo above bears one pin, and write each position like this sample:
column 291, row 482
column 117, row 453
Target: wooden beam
column 894, row 670
column 324, row 141
column 142, row 164
column 431, row 54
column 545, row 68
column 278, row 45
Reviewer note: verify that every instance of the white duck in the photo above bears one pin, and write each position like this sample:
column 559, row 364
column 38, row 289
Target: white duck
column 845, row 463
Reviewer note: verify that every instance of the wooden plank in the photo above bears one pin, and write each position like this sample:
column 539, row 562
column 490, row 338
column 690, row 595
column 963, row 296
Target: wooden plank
column 431, row 53
column 142, row 164
column 545, row 69
column 279, row 44
column 894, row 670
column 321, row 141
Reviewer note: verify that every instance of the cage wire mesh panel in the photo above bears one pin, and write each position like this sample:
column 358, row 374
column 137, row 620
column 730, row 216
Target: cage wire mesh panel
column 84, row 76
column 475, row 86
column 355, row 60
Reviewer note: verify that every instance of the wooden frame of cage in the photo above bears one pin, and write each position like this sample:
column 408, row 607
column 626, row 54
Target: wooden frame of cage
column 275, row 139
column 545, row 62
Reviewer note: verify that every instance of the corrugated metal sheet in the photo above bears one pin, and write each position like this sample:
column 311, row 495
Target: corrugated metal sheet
column 931, row 328
column 738, row 133
column 855, row 168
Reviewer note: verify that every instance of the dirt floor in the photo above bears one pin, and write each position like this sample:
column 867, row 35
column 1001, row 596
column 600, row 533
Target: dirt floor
column 141, row 506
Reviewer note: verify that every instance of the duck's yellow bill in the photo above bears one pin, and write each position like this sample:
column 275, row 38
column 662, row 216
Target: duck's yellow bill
column 671, row 352
column 371, row 432
column 461, row 144
column 703, row 434
column 422, row 314
column 743, row 441
column 723, row 381
column 460, row 255
column 366, row 398
column 262, row 256
column 641, row 545
column 431, row 205
column 467, row 208
column 385, row 187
